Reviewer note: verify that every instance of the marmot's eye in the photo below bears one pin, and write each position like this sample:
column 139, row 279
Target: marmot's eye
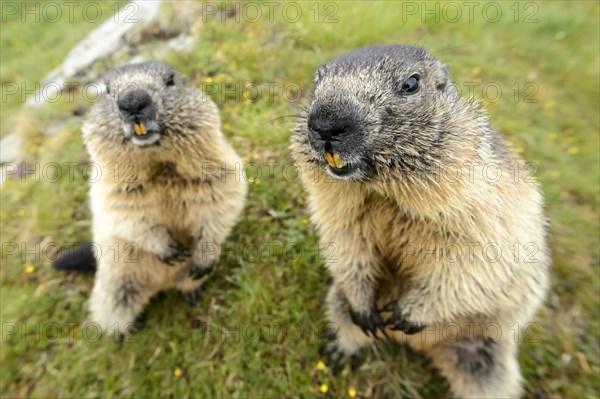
column 411, row 85
column 170, row 80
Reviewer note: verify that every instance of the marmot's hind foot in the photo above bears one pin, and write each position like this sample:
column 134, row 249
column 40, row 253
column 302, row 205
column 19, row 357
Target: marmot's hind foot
column 480, row 368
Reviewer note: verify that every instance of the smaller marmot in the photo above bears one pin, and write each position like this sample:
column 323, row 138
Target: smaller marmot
column 171, row 189
column 440, row 234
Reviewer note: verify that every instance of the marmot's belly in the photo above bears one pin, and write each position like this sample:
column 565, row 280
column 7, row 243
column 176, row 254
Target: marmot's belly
column 182, row 211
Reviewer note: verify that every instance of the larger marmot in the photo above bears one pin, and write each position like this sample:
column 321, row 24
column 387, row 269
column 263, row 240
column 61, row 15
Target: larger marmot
column 170, row 190
column 440, row 240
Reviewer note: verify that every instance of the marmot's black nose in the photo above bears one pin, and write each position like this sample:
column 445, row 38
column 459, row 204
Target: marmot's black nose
column 328, row 128
column 135, row 102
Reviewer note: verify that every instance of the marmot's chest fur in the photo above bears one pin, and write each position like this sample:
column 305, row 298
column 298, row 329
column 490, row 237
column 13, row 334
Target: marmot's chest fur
column 169, row 193
column 402, row 242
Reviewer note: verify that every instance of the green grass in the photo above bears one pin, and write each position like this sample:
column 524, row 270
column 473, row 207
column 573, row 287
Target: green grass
column 35, row 42
column 285, row 290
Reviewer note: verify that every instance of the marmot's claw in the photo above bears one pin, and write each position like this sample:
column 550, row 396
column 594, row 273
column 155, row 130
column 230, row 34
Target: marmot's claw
column 370, row 322
column 355, row 361
column 135, row 326
column 329, row 335
column 196, row 272
column 336, row 358
column 398, row 321
column 120, row 338
column 390, row 307
column 408, row 327
column 326, row 349
column 192, row 297
column 138, row 325
column 177, row 253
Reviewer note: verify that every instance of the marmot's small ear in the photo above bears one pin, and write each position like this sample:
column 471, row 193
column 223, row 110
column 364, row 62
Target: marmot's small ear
column 104, row 86
column 318, row 75
column 444, row 82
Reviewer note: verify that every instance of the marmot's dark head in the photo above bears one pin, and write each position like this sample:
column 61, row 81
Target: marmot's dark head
column 376, row 110
column 146, row 102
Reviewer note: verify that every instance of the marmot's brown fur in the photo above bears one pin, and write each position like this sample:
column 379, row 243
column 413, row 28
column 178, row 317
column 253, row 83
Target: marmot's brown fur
column 440, row 233
column 170, row 191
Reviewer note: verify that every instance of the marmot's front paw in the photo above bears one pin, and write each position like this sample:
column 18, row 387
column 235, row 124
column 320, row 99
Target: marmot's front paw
column 369, row 321
column 176, row 252
column 336, row 357
column 398, row 320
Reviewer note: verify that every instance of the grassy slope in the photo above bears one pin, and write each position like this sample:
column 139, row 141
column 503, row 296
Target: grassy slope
column 559, row 133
